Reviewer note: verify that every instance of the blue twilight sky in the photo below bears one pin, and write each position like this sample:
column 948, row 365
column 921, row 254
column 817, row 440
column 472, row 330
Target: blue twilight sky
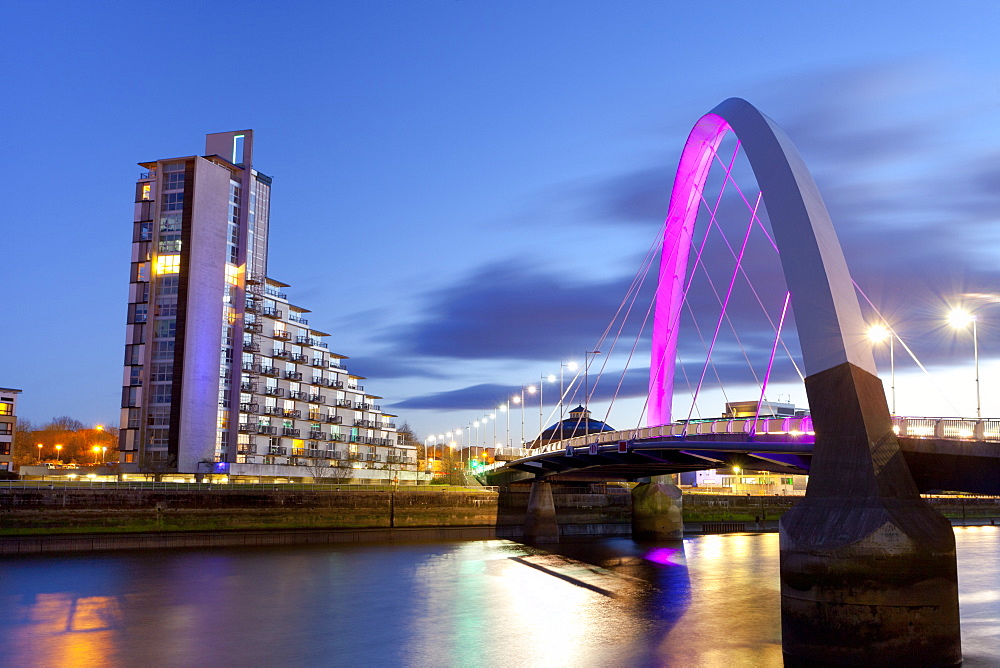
column 463, row 190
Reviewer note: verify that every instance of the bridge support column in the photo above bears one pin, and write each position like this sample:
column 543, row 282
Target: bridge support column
column 868, row 568
column 657, row 510
column 540, row 522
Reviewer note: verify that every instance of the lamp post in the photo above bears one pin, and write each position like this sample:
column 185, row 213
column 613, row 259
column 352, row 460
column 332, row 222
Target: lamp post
column 96, row 450
column 878, row 334
column 736, row 483
column 59, row 453
column 518, row 399
column 959, row 319
column 505, row 408
column 40, row 453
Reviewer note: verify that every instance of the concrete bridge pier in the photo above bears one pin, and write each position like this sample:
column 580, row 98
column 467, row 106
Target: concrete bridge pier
column 868, row 570
column 657, row 510
column 540, row 521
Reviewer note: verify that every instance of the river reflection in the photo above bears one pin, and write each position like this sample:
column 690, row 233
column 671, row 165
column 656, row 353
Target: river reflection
column 709, row 601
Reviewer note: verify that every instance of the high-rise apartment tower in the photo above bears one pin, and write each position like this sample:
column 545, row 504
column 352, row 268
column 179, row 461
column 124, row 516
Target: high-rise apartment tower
column 222, row 372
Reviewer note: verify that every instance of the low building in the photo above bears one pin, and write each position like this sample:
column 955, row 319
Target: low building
column 579, row 423
column 8, row 426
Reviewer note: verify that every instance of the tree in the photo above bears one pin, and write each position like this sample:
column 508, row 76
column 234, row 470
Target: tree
column 324, row 471
column 157, row 466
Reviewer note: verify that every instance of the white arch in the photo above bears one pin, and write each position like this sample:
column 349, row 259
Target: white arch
column 830, row 326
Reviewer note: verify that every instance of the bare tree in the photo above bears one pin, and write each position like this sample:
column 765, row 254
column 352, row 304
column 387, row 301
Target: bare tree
column 324, row 471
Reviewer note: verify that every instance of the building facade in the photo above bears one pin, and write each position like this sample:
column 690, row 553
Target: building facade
column 8, row 426
column 223, row 374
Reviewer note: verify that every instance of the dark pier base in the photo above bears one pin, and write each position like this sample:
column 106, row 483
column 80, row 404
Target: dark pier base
column 540, row 522
column 657, row 510
column 868, row 570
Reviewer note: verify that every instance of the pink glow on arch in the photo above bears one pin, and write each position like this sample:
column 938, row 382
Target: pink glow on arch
column 689, row 183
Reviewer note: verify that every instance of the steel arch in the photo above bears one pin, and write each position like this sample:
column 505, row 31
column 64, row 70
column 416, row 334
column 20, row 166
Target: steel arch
column 827, row 313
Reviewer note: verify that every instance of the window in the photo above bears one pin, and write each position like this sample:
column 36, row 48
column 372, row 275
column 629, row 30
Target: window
column 168, row 264
column 133, row 355
column 170, row 222
column 159, row 416
column 163, row 350
column 147, row 191
column 135, row 375
column 167, row 285
column 4, row 448
column 173, row 202
column 140, row 271
column 166, row 307
column 173, row 167
column 134, row 418
column 160, row 394
column 169, row 243
column 173, row 181
column 165, row 328
column 143, row 231
column 6, row 429
column 161, row 372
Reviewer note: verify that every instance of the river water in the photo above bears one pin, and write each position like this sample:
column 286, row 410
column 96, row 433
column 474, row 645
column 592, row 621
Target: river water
column 709, row 601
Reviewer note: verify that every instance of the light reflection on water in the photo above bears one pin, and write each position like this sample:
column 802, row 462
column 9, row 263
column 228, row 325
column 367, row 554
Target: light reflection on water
column 708, row 601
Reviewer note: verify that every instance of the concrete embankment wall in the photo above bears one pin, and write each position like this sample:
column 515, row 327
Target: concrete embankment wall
column 84, row 510
column 577, row 513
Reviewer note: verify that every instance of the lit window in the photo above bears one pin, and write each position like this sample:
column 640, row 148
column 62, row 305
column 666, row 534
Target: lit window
column 232, row 275
column 147, row 191
column 168, row 264
column 6, row 409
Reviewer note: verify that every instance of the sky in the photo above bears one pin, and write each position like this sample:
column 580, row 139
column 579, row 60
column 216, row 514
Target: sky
column 463, row 191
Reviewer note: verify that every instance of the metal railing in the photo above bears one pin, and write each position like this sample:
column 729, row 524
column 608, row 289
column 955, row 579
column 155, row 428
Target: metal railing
column 952, row 428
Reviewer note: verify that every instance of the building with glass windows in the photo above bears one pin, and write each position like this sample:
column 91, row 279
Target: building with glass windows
column 8, row 424
column 223, row 374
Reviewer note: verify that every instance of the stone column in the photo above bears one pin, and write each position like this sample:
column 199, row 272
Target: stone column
column 540, row 522
column 657, row 510
column 868, row 568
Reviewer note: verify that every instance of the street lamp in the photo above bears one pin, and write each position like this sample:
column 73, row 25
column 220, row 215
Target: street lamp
column 518, row 399
column 960, row 319
column 503, row 408
column 736, row 484
column 878, row 334
column 96, row 450
column 59, row 452
column 40, row 453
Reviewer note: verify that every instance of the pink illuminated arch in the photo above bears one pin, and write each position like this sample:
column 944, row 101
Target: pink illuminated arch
column 826, row 308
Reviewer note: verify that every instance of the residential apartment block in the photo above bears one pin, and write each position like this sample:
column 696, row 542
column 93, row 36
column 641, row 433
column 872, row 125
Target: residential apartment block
column 8, row 425
column 223, row 374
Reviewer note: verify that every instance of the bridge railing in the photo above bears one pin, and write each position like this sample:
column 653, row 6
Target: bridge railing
column 801, row 425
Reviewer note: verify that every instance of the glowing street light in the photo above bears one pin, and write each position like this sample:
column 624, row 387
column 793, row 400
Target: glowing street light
column 59, row 452
column 40, row 446
column 878, row 334
column 959, row 319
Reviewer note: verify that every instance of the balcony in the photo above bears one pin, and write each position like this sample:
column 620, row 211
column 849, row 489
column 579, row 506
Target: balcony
column 317, row 399
column 336, row 454
column 293, row 375
column 267, row 429
column 283, row 336
column 336, row 365
column 315, row 416
column 364, row 423
column 318, row 435
column 297, row 395
column 274, row 410
column 251, row 347
column 276, row 450
column 251, row 368
column 274, row 292
column 254, row 327
column 344, row 403
column 292, row 413
column 250, row 388
column 274, row 391
column 282, row 353
column 271, row 312
column 364, row 407
column 333, row 419
column 246, row 449
column 319, row 380
column 250, row 408
column 299, row 358
column 338, row 384
column 248, row 428
column 319, row 361
column 252, row 307
column 269, row 371
column 297, row 318
column 337, row 438
column 288, row 431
